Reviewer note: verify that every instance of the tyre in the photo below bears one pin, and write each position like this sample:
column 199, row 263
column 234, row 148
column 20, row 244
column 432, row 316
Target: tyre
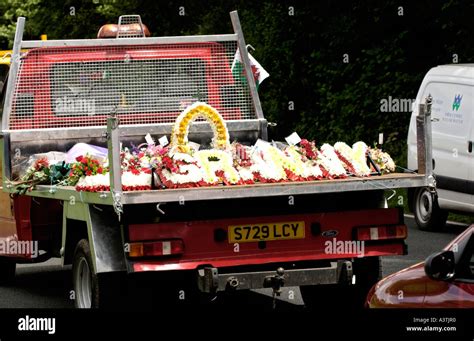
column 368, row 271
column 7, row 270
column 428, row 215
column 94, row 290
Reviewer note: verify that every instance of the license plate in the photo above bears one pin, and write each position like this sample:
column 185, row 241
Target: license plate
column 268, row 231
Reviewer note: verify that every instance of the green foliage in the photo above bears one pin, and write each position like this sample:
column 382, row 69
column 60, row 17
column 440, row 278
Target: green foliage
column 41, row 172
column 304, row 53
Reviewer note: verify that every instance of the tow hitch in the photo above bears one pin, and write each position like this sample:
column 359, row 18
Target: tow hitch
column 276, row 282
column 212, row 280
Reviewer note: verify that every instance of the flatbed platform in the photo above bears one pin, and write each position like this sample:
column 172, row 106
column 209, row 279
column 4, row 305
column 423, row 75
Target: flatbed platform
column 377, row 182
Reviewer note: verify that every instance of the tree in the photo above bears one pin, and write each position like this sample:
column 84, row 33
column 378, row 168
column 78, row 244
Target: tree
column 331, row 63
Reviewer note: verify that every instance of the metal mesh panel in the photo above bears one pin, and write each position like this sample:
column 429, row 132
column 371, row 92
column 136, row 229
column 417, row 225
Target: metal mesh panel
column 130, row 21
column 145, row 84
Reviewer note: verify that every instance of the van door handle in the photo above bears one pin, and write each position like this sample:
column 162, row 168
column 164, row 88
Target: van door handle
column 469, row 147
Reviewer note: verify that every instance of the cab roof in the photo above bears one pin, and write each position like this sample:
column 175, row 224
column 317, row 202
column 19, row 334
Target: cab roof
column 454, row 70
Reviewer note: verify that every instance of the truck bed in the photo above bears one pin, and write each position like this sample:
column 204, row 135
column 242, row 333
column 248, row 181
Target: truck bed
column 379, row 182
column 38, row 128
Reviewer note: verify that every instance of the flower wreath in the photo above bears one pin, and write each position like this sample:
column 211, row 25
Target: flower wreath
column 179, row 133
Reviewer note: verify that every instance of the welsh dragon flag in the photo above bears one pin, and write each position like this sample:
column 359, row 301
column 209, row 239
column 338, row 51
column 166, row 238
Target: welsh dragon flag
column 238, row 70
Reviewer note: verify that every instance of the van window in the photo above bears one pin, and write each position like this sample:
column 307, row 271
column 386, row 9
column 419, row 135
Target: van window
column 452, row 106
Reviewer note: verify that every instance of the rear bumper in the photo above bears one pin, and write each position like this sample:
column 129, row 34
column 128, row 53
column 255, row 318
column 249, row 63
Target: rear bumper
column 209, row 279
column 170, row 264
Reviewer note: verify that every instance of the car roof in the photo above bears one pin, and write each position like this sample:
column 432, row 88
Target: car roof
column 454, row 70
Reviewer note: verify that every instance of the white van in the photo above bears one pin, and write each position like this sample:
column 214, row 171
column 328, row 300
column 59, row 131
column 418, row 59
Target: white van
column 452, row 88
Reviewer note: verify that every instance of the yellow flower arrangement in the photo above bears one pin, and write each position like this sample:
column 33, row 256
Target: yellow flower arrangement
column 212, row 161
column 179, row 133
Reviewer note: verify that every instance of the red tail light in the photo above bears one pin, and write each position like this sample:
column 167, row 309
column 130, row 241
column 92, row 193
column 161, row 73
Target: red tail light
column 381, row 232
column 156, row 248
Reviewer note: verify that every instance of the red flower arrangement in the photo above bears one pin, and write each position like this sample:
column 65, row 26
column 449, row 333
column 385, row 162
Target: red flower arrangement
column 103, row 188
column 308, row 149
column 97, row 188
column 85, row 166
column 241, row 155
column 41, row 164
column 168, row 163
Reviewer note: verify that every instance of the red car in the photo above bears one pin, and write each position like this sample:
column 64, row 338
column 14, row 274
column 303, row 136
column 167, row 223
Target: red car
column 444, row 280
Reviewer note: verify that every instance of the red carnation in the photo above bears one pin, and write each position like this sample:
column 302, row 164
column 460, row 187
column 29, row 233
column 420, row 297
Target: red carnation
column 41, row 163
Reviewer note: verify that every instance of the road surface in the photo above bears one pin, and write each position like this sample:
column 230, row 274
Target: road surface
column 48, row 285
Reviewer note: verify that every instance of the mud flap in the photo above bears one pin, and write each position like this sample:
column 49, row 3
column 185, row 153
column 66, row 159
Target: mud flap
column 104, row 233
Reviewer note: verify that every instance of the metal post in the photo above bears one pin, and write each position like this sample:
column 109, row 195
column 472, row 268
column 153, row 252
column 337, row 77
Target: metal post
column 246, row 61
column 428, row 136
column 115, row 167
column 428, row 144
column 424, row 141
column 420, row 138
column 12, row 75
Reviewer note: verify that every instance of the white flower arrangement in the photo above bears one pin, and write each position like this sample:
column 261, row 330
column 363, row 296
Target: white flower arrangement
column 245, row 173
column 330, row 161
column 189, row 174
column 92, row 181
column 353, row 162
column 187, row 170
column 268, row 162
column 305, row 169
column 383, row 160
column 183, row 157
column 101, row 182
column 360, row 151
column 130, row 179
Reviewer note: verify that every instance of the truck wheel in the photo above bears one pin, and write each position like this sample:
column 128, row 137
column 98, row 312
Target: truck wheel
column 345, row 296
column 7, row 270
column 93, row 290
column 428, row 215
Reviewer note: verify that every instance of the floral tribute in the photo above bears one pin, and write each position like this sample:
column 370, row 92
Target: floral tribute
column 88, row 174
column 183, row 165
column 42, row 172
column 179, row 133
column 382, row 160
